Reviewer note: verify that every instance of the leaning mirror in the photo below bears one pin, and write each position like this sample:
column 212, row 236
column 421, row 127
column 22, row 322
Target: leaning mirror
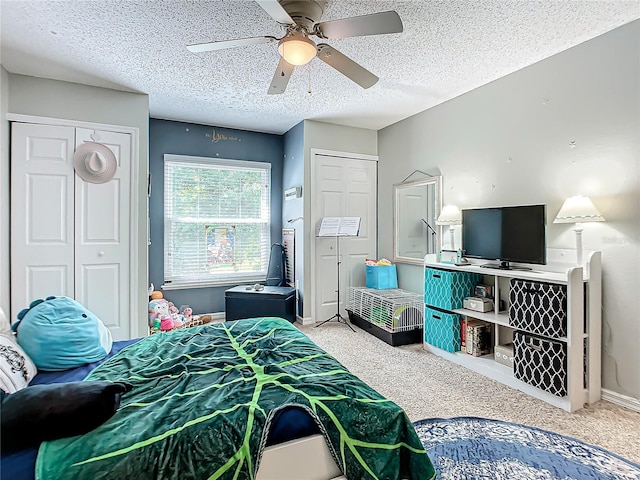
column 416, row 205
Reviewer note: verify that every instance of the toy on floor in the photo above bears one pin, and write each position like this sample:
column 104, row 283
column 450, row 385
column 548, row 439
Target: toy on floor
column 172, row 309
column 167, row 323
column 153, row 293
column 159, row 315
column 157, row 307
column 164, row 316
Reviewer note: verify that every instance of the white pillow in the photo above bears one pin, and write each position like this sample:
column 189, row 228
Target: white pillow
column 16, row 368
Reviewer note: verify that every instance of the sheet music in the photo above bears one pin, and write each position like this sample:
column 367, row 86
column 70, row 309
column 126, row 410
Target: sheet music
column 339, row 226
column 349, row 226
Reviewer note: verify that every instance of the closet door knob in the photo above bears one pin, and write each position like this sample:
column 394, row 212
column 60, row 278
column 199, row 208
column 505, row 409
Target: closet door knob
column 101, row 254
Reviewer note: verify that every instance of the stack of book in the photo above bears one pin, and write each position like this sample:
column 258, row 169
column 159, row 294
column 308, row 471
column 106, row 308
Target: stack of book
column 476, row 337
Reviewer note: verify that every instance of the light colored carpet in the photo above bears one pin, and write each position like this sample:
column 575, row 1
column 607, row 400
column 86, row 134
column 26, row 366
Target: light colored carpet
column 427, row 386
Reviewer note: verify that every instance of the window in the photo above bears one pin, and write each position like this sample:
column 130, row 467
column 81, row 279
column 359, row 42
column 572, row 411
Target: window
column 216, row 221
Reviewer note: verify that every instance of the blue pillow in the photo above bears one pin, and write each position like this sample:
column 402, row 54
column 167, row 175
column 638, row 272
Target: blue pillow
column 58, row 333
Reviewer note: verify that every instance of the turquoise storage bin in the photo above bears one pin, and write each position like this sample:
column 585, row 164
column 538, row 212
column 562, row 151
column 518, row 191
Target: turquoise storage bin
column 381, row 277
column 442, row 329
column 447, row 289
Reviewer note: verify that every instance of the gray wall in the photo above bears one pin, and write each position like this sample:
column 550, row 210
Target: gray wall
column 71, row 101
column 293, row 176
column 4, row 192
column 510, row 142
column 191, row 139
column 339, row 138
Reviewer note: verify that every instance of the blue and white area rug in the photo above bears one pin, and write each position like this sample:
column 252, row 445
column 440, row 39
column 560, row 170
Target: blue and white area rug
column 467, row 448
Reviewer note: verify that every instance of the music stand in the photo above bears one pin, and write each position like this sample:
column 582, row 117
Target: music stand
column 433, row 237
column 339, row 227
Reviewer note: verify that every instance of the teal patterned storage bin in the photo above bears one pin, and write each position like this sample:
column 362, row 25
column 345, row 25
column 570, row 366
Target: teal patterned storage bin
column 447, row 289
column 442, row 329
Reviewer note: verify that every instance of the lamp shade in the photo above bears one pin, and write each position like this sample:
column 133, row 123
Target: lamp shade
column 578, row 209
column 450, row 215
column 297, row 49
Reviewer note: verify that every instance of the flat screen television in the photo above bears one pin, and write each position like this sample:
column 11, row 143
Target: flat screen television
column 506, row 234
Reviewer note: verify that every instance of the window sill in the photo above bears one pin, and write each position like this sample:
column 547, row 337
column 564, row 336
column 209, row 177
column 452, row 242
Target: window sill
column 220, row 283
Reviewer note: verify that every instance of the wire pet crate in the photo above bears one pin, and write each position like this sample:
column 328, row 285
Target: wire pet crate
column 394, row 315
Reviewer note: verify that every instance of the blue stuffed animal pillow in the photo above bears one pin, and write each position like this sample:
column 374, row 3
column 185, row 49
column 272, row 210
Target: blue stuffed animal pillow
column 58, row 333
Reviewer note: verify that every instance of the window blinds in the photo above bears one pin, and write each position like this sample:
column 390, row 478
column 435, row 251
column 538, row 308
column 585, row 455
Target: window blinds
column 216, row 220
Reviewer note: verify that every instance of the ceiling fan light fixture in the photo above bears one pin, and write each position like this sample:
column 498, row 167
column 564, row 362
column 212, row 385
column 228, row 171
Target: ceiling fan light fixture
column 297, row 49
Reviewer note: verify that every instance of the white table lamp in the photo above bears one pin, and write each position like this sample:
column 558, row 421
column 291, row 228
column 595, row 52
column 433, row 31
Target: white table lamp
column 450, row 215
column 578, row 210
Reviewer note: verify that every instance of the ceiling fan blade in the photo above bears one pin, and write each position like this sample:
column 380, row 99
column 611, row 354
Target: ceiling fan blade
column 281, row 77
column 238, row 42
column 374, row 24
column 275, row 11
column 346, row 66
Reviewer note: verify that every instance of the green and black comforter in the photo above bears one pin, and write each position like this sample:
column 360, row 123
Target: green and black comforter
column 203, row 399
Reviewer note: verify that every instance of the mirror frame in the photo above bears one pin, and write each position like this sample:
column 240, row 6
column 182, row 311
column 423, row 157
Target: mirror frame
column 398, row 189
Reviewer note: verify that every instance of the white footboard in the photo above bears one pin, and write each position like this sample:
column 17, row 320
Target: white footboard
column 305, row 458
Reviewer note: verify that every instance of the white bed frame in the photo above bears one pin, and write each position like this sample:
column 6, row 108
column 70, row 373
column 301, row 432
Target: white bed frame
column 305, row 458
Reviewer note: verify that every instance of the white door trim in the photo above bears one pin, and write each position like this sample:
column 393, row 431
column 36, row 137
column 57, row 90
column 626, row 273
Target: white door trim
column 313, row 211
column 335, row 153
column 134, row 235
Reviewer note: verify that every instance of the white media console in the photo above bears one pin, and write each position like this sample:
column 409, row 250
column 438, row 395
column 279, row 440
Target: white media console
column 583, row 323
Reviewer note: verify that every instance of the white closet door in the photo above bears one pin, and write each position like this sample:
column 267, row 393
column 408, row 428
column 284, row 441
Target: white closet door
column 42, row 213
column 102, row 214
column 342, row 187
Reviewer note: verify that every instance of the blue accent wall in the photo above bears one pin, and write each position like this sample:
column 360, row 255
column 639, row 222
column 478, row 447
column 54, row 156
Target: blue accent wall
column 293, row 176
column 199, row 140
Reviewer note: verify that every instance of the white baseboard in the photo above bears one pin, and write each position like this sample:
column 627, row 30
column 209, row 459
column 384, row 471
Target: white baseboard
column 305, row 320
column 622, row 400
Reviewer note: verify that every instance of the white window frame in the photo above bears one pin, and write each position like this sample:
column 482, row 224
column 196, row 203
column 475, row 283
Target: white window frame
column 172, row 282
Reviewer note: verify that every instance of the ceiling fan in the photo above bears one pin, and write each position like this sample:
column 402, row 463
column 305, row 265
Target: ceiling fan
column 300, row 19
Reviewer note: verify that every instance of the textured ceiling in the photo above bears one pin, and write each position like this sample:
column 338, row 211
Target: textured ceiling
column 447, row 48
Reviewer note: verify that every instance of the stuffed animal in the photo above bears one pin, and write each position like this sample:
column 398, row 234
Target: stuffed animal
column 178, row 321
column 158, row 309
column 188, row 313
column 173, row 310
column 166, row 322
column 58, row 333
column 156, row 295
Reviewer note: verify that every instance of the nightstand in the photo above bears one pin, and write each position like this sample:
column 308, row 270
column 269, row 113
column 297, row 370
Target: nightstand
column 268, row 302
